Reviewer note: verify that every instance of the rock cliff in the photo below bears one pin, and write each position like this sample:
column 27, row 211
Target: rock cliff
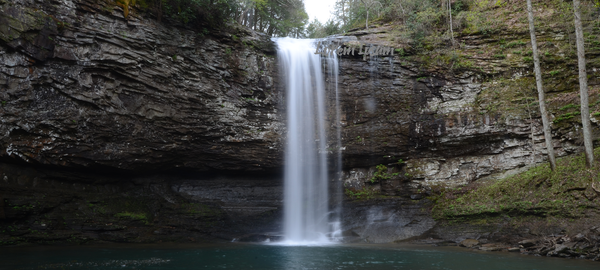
column 133, row 130
column 128, row 129
column 438, row 120
column 84, row 87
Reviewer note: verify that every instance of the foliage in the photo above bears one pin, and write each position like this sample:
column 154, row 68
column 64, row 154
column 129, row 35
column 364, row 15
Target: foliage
column 566, row 116
column 132, row 216
column 125, row 4
column 274, row 17
column 569, row 106
column 365, row 193
column 317, row 30
column 380, row 174
column 418, row 16
column 195, row 12
column 566, row 192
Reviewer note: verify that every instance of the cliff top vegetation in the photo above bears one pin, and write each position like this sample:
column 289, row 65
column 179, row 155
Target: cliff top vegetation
column 273, row 17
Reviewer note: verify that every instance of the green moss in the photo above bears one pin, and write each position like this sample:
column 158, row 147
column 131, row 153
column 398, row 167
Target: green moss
column 198, row 209
column 516, row 44
column 570, row 106
column 365, row 193
column 566, row 116
column 537, row 191
column 132, row 216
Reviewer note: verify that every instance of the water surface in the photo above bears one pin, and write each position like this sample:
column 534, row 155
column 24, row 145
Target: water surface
column 258, row 256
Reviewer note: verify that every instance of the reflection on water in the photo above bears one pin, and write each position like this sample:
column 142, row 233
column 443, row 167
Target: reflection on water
column 256, row 256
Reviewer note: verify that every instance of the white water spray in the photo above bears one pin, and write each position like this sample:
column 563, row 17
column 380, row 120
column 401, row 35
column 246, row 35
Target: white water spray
column 306, row 196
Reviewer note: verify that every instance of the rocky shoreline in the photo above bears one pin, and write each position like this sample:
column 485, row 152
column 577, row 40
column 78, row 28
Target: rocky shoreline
column 537, row 237
column 577, row 247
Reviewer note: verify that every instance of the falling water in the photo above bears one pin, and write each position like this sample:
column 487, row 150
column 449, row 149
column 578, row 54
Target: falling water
column 336, row 228
column 306, row 197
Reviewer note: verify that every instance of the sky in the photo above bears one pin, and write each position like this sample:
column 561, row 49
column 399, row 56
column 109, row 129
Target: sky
column 320, row 9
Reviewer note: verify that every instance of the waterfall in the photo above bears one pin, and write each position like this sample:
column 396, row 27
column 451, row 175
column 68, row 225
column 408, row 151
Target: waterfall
column 306, row 196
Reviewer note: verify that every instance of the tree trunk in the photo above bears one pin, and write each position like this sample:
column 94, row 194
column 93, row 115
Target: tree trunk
column 344, row 20
column 583, row 88
column 540, row 89
column 367, row 21
column 450, row 13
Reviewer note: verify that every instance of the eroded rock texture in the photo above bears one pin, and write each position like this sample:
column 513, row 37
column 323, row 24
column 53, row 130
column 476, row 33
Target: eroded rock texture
column 129, row 129
column 84, row 87
column 132, row 130
column 391, row 109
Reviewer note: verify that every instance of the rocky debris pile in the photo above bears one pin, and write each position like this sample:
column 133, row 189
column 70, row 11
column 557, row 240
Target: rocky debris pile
column 585, row 245
column 582, row 245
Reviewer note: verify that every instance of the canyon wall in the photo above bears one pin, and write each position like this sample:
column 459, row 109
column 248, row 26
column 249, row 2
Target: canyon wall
column 115, row 128
column 133, row 130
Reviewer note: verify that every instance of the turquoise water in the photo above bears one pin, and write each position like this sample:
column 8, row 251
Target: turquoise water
column 257, row 256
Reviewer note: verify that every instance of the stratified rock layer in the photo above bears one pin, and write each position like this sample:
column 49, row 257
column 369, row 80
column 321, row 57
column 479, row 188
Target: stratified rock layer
column 133, row 130
column 84, row 87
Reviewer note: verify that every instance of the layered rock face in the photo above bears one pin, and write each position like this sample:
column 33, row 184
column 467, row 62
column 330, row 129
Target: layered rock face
column 84, row 87
column 393, row 110
column 128, row 129
column 407, row 130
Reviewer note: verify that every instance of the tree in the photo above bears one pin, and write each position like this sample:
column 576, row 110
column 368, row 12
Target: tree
column 316, row 29
column 449, row 2
column 369, row 4
column 583, row 88
column 341, row 11
column 274, row 17
column 540, row 89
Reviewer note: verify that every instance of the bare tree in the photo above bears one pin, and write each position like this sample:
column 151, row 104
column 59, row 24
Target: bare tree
column 450, row 16
column 369, row 4
column 540, row 89
column 583, row 88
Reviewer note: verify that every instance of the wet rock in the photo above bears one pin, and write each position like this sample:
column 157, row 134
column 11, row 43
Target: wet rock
column 469, row 243
column 528, row 243
column 385, row 221
column 544, row 251
column 490, row 247
column 514, row 249
column 416, row 197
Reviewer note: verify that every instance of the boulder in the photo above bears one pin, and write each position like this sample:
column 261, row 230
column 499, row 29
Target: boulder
column 469, row 243
column 528, row 243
